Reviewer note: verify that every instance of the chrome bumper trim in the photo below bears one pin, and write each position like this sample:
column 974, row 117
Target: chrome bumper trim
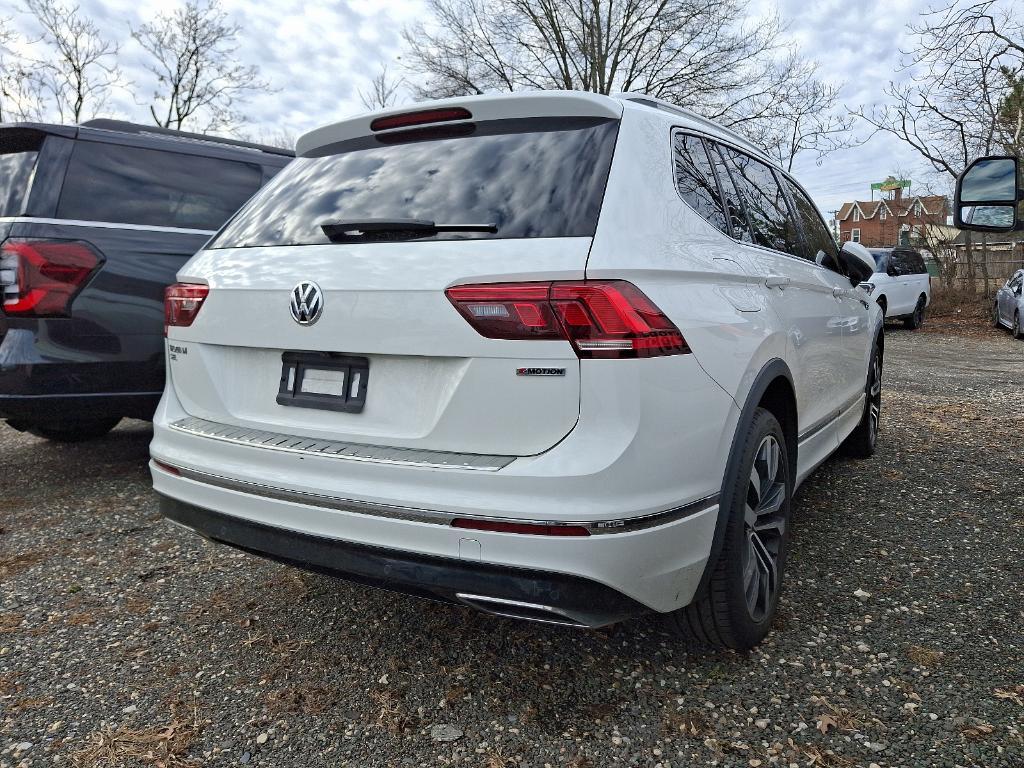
column 434, row 517
column 337, row 449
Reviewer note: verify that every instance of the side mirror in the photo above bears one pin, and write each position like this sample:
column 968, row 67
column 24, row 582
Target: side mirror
column 987, row 193
column 857, row 262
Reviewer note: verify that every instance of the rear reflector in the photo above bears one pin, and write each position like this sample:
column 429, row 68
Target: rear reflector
column 39, row 278
column 600, row 318
column 167, row 468
column 182, row 302
column 533, row 529
column 421, row 117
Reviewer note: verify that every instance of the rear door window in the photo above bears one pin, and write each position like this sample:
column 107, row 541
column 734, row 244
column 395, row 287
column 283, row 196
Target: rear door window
column 18, row 155
column 695, row 180
column 535, row 177
column 765, row 203
column 131, row 185
column 739, row 228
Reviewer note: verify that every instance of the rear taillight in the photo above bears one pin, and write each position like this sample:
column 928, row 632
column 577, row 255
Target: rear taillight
column 601, row 318
column 182, row 302
column 39, row 278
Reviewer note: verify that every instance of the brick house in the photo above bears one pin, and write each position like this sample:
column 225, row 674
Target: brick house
column 897, row 221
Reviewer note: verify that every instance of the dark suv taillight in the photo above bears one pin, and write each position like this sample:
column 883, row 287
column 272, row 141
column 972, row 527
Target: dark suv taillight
column 182, row 302
column 39, row 278
column 601, row 318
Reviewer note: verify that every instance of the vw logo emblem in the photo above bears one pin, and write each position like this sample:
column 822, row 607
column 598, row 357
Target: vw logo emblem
column 307, row 303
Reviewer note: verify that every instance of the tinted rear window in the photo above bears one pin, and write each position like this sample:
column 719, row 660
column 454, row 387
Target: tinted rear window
column 19, row 151
column 129, row 185
column 538, row 177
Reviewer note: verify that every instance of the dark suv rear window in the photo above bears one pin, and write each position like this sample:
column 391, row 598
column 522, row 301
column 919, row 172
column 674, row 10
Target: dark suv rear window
column 537, row 177
column 19, row 151
column 129, row 185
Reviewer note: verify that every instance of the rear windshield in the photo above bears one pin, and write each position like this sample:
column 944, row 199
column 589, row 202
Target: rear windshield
column 537, row 177
column 130, row 185
column 18, row 153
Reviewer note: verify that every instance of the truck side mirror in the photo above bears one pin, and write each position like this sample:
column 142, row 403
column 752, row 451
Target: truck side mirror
column 987, row 193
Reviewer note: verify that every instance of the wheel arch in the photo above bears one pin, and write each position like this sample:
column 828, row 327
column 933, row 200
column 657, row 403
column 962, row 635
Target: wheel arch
column 772, row 389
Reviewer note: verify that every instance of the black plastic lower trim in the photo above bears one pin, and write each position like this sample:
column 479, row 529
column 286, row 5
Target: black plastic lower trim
column 41, row 409
column 571, row 599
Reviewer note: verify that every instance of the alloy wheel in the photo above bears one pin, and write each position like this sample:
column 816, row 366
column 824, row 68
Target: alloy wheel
column 874, row 398
column 764, row 527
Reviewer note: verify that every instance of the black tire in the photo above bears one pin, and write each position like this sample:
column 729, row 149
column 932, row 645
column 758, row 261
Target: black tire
column 1016, row 330
column 71, row 431
column 737, row 607
column 915, row 320
column 861, row 443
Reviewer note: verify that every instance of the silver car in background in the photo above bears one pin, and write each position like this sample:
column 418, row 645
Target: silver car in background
column 1008, row 308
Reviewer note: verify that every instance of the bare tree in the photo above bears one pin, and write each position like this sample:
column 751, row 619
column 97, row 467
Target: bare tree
column 701, row 54
column 19, row 92
column 80, row 70
column 963, row 67
column 809, row 118
column 962, row 99
column 199, row 80
column 383, row 91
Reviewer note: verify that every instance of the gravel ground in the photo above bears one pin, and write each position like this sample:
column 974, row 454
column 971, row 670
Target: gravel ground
column 124, row 641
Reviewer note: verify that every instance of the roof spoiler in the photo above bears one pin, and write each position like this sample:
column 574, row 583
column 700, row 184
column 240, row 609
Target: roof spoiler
column 482, row 107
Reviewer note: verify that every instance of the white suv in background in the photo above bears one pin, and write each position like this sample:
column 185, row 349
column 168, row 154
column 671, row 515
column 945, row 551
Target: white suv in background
column 900, row 285
column 557, row 356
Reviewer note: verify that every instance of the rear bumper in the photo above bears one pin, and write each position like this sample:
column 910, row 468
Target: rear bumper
column 519, row 592
column 651, row 441
column 47, row 373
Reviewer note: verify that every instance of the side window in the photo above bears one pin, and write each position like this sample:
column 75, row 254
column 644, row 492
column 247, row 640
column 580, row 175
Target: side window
column 765, row 202
column 696, row 181
column 738, row 226
column 818, row 245
column 898, row 264
column 129, row 185
column 919, row 267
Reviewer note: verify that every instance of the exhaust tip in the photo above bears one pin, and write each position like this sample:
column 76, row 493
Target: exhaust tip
column 516, row 609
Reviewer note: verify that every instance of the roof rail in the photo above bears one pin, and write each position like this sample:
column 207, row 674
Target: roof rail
column 689, row 114
column 124, row 126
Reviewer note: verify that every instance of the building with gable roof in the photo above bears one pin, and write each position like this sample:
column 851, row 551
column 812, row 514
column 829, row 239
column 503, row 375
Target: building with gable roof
column 897, row 220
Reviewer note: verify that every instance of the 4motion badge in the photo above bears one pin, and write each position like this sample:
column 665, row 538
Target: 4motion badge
column 540, row 371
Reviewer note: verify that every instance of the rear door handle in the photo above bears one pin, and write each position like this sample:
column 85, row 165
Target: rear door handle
column 776, row 281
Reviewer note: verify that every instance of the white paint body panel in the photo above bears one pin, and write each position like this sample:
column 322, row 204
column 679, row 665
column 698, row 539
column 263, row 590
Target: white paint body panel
column 901, row 293
column 612, row 439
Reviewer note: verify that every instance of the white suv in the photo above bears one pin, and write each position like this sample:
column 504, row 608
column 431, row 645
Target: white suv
column 901, row 284
column 557, row 356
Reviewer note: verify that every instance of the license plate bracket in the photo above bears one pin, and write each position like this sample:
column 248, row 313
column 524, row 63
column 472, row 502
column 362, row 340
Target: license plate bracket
column 324, row 380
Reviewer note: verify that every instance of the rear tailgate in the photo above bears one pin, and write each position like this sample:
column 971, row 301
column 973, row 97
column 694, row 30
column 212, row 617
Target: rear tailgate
column 431, row 380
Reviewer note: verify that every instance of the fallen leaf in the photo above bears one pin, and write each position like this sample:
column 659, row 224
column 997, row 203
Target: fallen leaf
column 825, row 722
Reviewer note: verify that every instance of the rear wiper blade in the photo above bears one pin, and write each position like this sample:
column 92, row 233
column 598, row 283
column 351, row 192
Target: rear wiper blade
column 346, row 230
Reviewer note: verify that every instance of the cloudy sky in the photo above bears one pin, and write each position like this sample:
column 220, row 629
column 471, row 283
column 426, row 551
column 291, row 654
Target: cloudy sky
column 318, row 56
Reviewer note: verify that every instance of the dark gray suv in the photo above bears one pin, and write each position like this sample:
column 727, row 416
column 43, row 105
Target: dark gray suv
column 95, row 221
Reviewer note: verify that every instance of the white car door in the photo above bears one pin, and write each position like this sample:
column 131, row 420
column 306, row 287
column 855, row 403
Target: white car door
column 804, row 296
